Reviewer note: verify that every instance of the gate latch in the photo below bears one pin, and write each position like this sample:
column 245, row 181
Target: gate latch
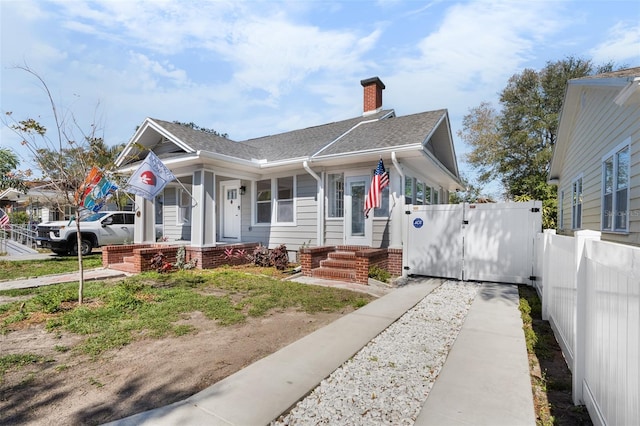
column 465, row 222
column 535, row 209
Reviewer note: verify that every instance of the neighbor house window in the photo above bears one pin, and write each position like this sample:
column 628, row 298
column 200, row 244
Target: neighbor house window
column 335, row 195
column 615, row 191
column 284, row 201
column 184, row 207
column 576, row 203
column 263, row 201
column 561, row 211
column 408, row 190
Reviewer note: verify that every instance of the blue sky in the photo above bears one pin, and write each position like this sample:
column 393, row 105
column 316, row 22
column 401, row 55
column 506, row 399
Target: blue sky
column 256, row 68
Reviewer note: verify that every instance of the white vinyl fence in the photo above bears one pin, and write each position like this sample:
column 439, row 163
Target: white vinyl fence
column 590, row 291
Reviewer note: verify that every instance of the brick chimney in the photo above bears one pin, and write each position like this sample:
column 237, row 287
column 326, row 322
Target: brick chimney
column 372, row 94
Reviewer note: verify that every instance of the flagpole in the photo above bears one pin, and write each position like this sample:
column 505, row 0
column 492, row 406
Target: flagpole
column 187, row 191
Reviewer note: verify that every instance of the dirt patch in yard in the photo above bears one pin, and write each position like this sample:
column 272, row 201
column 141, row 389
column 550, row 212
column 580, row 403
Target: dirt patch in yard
column 71, row 389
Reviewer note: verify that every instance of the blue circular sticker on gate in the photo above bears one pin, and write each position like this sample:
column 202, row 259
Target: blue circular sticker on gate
column 417, row 222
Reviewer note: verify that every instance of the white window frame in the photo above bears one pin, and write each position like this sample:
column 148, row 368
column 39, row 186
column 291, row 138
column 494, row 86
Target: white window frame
column 335, row 197
column 183, row 216
column 612, row 215
column 255, row 203
column 561, row 210
column 276, row 201
column 576, row 201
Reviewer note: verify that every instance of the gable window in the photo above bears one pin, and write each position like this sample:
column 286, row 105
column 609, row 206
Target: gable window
column 284, row 201
column 184, row 207
column 615, row 190
column 576, row 203
column 263, row 201
column 335, row 195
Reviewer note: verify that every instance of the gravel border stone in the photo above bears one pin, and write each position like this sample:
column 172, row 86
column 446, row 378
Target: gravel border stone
column 388, row 381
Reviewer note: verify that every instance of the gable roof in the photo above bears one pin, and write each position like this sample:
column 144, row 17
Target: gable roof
column 626, row 82
column 426, row 134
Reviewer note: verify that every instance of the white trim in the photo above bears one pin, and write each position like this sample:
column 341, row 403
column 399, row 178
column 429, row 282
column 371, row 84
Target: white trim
column 612, row 154
column 579, row 177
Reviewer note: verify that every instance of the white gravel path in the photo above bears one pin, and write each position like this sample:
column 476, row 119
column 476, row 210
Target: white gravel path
column 388, row 381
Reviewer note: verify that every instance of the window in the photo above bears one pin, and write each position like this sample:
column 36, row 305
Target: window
column 427, row 194
column 561, row 211
column 408, row 190
column 615, row 191
column 419, row 193
column 184, row 207
column 383, row 211
column 335, row 195
column 263, row 201
column 284, row 202
column 576, row 203
column 435, row 196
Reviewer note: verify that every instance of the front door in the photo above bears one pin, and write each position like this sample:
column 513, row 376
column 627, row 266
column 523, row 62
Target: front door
column 232, row 211
column 358, row 229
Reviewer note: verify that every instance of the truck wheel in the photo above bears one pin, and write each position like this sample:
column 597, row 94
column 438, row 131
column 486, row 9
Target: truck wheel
column 86, row 248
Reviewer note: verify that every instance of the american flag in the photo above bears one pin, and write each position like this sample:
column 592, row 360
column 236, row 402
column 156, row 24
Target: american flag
column 378, row 183
column 4, row 220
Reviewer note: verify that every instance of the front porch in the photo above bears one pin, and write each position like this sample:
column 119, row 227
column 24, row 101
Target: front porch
column 340, row 263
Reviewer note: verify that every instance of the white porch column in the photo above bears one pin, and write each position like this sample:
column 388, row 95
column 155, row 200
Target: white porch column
column 144, row 225
column 396, row 191
column 203, row 210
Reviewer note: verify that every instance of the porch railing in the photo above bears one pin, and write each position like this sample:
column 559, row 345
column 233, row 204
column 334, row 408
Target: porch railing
column 22, row 234
column 590, row 291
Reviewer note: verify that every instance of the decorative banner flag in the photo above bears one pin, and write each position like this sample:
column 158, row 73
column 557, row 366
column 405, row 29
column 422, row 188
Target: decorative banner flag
column 5, row 223
column 378, row 183
column 150, row 178
column 96, row 191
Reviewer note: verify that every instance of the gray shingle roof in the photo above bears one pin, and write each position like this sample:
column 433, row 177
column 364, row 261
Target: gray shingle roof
column 371, row 134
column 306, row 142
column 387, row 133
column 203, row 141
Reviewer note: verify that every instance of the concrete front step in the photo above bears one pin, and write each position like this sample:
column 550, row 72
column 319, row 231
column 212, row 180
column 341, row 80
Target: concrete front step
column 334, row 274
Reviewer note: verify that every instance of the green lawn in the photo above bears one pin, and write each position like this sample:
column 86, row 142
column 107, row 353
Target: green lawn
column 150, row 304
column 11, row 270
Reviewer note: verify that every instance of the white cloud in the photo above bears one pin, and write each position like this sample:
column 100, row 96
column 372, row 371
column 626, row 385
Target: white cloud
column 622, row 44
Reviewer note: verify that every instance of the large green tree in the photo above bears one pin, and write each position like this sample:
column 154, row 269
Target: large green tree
column 10, row 177
column 514, row 144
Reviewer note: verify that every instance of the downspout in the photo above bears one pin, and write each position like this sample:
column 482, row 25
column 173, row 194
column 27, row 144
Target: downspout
column 320, row 212
column 403, row 224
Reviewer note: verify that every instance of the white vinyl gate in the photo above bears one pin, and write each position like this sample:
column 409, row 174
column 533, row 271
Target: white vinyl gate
column 473, row 242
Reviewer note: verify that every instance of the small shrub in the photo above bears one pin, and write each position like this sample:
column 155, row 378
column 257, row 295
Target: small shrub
column 261, row 257
column 379, row 274
column 279, row 257
column 159, row 263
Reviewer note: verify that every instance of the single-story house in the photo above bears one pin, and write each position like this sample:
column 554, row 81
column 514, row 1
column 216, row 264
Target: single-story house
column 304, row 188
column 40, row 202
column 596, row 159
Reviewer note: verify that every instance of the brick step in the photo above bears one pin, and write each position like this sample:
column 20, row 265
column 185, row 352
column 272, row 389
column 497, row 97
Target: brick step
column 338, row 264
column 342, row 255
column 334, row 274
column 124, row 267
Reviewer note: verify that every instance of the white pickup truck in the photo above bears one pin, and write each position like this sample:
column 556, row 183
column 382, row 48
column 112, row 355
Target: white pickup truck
column 98, row 229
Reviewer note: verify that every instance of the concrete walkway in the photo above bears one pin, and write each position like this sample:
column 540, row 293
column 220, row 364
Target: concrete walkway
column 485, row 381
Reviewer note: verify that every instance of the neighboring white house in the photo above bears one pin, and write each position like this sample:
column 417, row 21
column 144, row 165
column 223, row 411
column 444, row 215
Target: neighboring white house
column 596, row 160
column 306, row 187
